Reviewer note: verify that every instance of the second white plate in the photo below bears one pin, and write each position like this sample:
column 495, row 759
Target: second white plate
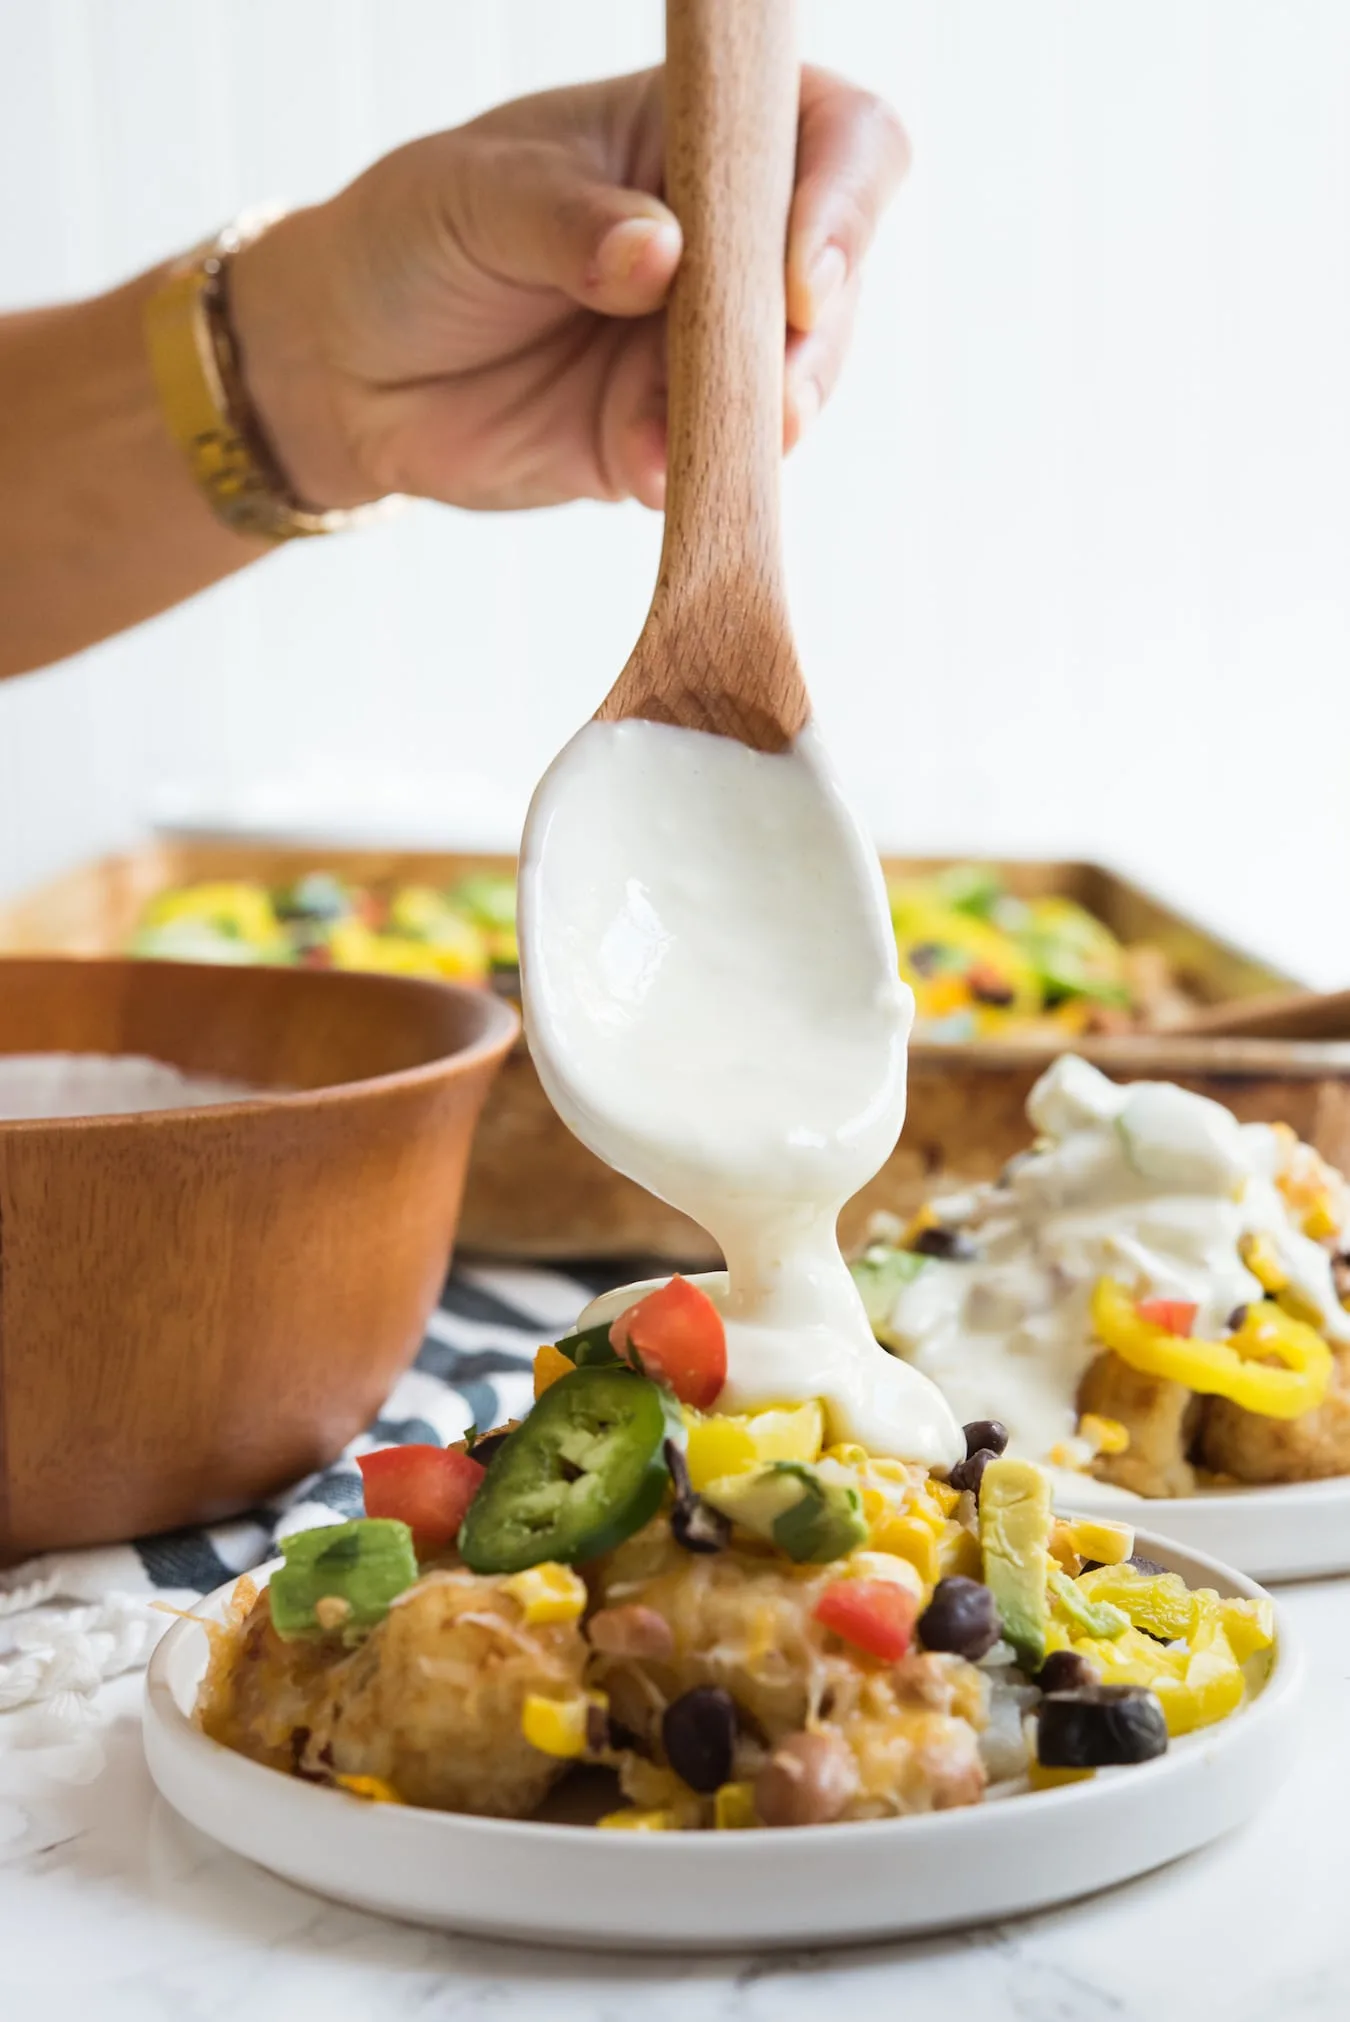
column 569, row 1885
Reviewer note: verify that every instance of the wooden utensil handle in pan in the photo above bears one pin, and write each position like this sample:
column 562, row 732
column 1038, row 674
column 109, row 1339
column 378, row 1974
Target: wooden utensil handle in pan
column 717, row 651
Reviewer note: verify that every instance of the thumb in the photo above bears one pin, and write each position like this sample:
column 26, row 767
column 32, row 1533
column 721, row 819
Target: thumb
column 533, row 214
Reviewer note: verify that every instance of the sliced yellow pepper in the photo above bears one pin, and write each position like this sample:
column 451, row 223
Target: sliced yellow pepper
column 549, row 1365
column 1248, row 1625
column 1160, row 1603
column 1222, row 1368
column 1108, row 1543
column 720, row 1445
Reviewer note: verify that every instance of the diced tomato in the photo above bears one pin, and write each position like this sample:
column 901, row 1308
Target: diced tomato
column 425, row 1487
column 874, row 1615
column 1176, row 1316
column 675, row 1335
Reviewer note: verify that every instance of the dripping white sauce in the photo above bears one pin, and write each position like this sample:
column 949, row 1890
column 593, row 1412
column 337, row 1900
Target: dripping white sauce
column 1148, row 1183
column 712, row 1001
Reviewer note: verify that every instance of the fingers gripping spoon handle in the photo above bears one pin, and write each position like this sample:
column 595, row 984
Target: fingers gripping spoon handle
column 710, row 982
column 716, row 652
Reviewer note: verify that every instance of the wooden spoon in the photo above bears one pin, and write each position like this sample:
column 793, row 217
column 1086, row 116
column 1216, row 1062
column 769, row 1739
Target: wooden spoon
column 716, row 652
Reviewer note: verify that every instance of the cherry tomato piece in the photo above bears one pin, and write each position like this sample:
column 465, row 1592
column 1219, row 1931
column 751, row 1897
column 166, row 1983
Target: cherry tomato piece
column 675, row 1336
column 426, row 1487
column 877, row 1616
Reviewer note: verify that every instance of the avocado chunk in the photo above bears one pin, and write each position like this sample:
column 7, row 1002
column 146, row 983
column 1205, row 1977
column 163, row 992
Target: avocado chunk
column 341, row 1578
column 1015, row 1523
column 811, row 1511
column 881, row 1274
column 1092, row 1618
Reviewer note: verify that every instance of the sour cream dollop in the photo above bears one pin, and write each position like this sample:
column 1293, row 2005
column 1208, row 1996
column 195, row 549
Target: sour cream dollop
column 1150, row 1184
column 712, row 1001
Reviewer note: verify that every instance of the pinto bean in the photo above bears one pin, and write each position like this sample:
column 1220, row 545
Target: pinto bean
column 632, row 1631
column 807, row 1780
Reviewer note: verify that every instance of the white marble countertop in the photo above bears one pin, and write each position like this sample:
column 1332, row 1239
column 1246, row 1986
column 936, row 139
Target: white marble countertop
column 111, row 1910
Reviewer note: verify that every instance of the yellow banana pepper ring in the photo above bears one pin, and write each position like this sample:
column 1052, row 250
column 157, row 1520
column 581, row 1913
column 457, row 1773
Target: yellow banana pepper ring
column 1222, row 1368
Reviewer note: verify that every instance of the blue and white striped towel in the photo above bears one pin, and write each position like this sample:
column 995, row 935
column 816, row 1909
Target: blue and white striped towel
column 71, row 1620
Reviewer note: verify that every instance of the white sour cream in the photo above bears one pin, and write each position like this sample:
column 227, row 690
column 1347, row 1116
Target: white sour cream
column 712, row 1001
column 1149, row 1184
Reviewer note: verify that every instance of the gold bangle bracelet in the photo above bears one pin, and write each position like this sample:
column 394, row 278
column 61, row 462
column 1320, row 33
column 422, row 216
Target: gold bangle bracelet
column 195, row 361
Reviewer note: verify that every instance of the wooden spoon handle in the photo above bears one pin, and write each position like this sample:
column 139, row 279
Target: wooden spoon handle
column 717, row 651
column 731, row 143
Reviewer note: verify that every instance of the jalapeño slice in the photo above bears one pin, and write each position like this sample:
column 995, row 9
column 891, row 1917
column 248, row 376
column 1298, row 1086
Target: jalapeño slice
column 584, row 1471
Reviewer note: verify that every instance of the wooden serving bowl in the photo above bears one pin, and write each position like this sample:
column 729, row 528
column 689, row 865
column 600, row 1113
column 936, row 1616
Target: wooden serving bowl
column 198, row 1306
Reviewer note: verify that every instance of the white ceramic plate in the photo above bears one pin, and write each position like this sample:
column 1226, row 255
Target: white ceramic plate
column 568, row 1885
column 1297, row 1532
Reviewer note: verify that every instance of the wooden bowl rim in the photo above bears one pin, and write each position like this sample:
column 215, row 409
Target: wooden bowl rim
column 1157, row 1055
column 500, row 1029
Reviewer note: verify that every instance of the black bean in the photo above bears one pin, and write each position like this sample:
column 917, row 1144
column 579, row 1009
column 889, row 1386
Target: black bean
column 925, row 957
column 698, row 1527
column 1100, row 1728
column 1236, row 1319
column 1066, row 1671
column 991, row 1434
column 694, row 1524
column 597, row 1729
column 961, row 1617
column 941, row 1242
column 1144, row 1565
column 698, row 1731
column 969, row 1473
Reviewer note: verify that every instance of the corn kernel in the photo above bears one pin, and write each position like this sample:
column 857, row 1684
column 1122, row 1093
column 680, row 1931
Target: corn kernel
column 900, row 1572
column 847, row 1454
column 550, row 1364
column 734, row 1807
column 374, row 1789
column 959, row 1552
column 944, row 1495
column 547, row 1593
column 1258, row 1254
column 1040, row 1777
column 633, row 1820
column 1320, row 1220
column 1109, row 1543
column 558, row 1726
column 909, row 1538
column 1108, row 1435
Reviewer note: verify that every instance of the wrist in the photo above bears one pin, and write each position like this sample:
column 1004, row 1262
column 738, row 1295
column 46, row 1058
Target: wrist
column 278, row 311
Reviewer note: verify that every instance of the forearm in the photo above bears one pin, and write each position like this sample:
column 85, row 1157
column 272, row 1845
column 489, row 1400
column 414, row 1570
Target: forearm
column 101, row 522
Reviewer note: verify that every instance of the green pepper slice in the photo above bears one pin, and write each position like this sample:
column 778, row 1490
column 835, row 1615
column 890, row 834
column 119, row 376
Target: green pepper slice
column 584, row 1471
column 589, row 1348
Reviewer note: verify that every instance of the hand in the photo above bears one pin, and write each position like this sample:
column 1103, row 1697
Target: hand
column 478, row 318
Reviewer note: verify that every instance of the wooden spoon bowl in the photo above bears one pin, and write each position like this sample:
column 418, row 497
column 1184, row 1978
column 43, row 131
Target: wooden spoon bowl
column 200, row 1306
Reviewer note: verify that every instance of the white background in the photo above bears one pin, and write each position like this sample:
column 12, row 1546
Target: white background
column 1068, row 553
